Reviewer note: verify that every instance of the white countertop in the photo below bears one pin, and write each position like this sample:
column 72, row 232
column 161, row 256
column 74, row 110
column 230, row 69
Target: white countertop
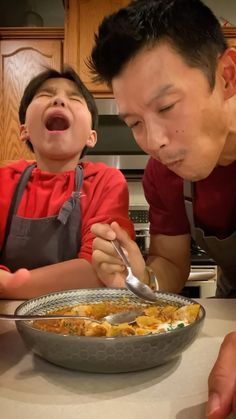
column 31, row 388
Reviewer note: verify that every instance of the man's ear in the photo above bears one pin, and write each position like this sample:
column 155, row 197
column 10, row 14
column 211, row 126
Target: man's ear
column 24, row 135
column 228, row 72
column 91, row 141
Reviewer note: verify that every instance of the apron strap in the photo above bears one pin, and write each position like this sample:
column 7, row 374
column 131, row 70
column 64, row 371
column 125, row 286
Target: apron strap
column 79, row 177
column 16, row 200
column 188, row 189
column 69, row 205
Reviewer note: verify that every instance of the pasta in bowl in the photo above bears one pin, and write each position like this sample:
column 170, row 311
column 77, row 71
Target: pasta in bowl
column 163, row 330
column 158, row 318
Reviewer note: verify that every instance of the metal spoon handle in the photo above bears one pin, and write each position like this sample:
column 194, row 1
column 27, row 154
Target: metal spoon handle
column 44, row 317
column 120, row 252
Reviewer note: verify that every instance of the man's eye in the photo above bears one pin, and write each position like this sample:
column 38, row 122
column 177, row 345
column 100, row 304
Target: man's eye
column 134, row 124
column 167, row 108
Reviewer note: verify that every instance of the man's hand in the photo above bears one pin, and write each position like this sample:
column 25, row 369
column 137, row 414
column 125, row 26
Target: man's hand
column 222, row 381
column 10, row 282
column 108, row 265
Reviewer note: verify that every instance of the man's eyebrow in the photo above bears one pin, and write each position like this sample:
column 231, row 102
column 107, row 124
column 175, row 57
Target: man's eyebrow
column 161, row 92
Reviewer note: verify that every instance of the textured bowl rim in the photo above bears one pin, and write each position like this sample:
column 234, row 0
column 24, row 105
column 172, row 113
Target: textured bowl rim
column 160, row 336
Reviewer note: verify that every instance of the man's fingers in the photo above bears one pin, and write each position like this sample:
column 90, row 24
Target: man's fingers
column 103, row 251
column 124, row 239
column 222, row 380
column 104, row 245
column 104, row 260
column 131, row 249
column 104, row 231
column 111, row 232
column 104, row 255
column 110, row 270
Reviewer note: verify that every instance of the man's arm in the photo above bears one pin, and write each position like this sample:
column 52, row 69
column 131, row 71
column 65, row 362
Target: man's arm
column 71, row 274
column 169, row 257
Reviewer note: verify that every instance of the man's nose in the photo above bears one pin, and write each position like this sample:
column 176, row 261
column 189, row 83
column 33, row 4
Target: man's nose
column 58, row 101
column 156, row 137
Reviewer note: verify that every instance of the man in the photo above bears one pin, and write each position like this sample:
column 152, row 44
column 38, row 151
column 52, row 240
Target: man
column 49, row 205
column 174, row 80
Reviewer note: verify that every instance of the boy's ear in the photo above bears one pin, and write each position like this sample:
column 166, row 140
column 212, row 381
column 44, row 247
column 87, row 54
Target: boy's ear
column 228, row 72
column 24, row 135
column 91, row 141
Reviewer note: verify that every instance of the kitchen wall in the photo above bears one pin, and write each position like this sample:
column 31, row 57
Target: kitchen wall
column 51, row 13
column 225, row 9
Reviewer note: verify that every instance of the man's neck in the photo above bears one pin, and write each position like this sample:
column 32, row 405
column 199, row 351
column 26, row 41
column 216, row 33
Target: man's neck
column 228, row 154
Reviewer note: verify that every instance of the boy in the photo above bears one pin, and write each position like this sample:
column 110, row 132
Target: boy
column 56, row 199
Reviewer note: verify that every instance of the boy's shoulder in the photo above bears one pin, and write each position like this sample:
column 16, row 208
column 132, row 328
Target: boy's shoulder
column 17, row 166
column 91, row 169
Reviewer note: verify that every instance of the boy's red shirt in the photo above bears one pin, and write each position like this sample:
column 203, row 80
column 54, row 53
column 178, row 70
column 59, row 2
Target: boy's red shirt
column 104, row 197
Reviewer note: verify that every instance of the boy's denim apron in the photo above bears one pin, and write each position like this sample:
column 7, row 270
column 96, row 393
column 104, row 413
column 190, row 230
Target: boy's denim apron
column 37, row 242
column 223, row 252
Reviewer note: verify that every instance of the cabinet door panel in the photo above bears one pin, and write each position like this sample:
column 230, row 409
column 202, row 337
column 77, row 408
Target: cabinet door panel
column 232, row 42
column 82, row 20
column 20, row 61
column 230, row 34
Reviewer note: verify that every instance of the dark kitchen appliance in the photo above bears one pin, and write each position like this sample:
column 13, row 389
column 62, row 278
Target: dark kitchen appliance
column 114, row 137
column 199, row 256
column 116, row 145
column 139, row 216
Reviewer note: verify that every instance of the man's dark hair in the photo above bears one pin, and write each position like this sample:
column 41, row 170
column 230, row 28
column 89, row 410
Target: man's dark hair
column 67, row 73
column 188, row 26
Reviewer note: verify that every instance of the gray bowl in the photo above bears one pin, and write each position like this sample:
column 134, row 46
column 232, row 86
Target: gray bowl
column 104, row 354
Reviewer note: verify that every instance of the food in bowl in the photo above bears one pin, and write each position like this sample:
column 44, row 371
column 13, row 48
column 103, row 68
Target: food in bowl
column 106, row 354
column 158, row 318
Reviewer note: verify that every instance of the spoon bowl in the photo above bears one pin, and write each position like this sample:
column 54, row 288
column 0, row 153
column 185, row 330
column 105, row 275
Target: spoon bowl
column 136, row 286
column 113, row 319
column 140, row 289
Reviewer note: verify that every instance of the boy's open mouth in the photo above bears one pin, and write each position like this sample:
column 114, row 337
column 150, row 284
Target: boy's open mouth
column 57, row 123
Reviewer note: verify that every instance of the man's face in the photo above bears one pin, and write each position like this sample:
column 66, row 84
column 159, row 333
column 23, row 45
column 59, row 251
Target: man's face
column 58, row 122
column 173, row 114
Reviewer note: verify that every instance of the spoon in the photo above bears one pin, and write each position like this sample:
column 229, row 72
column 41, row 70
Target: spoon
column 113, row 319
column 137, row 287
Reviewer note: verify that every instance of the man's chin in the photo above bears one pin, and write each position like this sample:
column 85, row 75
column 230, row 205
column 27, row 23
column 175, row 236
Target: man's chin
column 192, row 175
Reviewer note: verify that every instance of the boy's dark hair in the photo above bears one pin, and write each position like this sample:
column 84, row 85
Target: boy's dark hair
column 67, row 73
column 188, row 26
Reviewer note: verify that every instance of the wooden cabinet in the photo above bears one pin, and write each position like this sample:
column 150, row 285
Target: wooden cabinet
column 230, row 34
column 82, row 18
column 24, row 53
